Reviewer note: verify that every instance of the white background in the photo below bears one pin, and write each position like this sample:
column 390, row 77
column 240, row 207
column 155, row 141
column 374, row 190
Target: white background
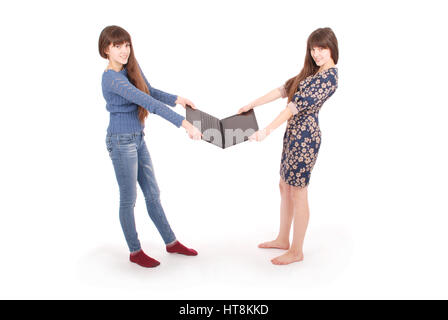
column 377, row 194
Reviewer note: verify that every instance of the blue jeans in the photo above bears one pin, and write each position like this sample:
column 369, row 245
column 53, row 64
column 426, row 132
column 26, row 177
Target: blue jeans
column 132, row 163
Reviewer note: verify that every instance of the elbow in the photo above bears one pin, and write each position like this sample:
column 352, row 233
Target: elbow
column 292, row 109
column 282, row 92
column 289, row 114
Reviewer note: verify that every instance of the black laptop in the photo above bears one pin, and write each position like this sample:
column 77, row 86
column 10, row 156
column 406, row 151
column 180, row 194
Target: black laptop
column 226, row 132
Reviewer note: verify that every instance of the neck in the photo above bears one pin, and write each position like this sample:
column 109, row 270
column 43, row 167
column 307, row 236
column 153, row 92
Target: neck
column 115, row 66
column 326, row 66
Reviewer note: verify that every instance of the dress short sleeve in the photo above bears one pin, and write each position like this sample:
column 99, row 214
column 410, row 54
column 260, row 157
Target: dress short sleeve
column 282, row 90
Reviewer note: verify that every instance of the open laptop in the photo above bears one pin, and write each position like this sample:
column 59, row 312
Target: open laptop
column 226, row 132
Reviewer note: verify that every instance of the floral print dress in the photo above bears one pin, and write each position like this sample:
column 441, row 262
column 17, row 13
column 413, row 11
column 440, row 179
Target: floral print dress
column 302, row 137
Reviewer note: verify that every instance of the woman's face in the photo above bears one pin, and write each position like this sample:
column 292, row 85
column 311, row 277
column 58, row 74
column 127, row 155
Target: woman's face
column 321, row 55
column 119, row 53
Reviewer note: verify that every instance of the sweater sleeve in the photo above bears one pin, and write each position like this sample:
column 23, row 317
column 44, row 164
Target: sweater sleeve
column 316, row 95
column 119, row 84
column 168, row 98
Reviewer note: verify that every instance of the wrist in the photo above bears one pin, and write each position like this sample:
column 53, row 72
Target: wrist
column 267, row 131
column 187, row 125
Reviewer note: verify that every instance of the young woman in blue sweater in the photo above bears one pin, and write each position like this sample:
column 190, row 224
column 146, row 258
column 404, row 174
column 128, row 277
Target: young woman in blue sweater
column 130, row 98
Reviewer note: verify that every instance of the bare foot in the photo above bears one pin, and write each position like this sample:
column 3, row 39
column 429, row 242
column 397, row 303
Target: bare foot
column 277, row 244
column 287, row 258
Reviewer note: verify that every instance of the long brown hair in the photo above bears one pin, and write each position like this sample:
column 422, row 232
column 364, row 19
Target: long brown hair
column 324, row 38
column 117, row 35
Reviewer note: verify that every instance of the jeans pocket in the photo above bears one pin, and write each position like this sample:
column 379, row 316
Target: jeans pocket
column 125, row 139
column 109, row 145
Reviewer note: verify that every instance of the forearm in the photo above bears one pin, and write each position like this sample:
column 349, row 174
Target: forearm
column 167, row 98
column 269, row 97
column 186, row 124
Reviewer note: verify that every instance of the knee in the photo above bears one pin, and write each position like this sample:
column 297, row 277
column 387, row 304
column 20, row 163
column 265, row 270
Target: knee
column 299, row 192
column 286, row 190
column 128, row 200
column 283, row 186
column 127, row 203
column 151, row 197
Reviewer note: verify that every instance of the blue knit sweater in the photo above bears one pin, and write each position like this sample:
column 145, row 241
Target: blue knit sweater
column 123, row 99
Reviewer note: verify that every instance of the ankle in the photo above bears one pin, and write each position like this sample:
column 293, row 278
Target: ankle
column 295, row 252
column 172, row 243
column 133, row 253
column 282, row 240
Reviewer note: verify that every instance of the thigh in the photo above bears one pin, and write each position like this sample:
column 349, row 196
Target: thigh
column 146, row 177
column 284, row 187
column 286, row 190
column 122, row 150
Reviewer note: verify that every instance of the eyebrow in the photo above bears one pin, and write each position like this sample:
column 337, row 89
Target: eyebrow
column 322, row 48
